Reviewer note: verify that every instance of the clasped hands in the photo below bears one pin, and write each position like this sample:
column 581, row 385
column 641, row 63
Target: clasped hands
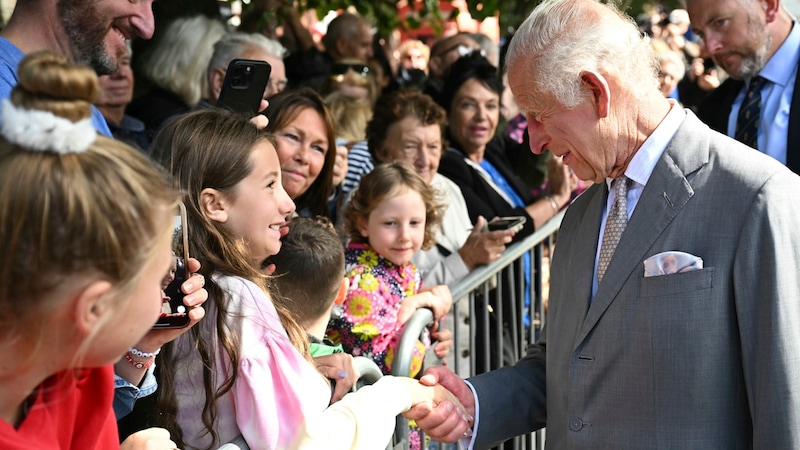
column 447, row 413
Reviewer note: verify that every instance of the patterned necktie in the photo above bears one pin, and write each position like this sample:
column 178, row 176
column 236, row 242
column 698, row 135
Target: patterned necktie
column 749, row 113
column 615, row 225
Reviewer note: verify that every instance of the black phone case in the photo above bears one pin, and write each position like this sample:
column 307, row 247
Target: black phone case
column 244, row 85
column 174, row 292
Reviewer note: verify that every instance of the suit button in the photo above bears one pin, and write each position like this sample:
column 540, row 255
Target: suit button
column 575, row 424
column 465, row 353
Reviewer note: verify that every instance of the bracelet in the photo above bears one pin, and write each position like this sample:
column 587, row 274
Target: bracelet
column 141, row 354
column 553, row 203
column 139, row 364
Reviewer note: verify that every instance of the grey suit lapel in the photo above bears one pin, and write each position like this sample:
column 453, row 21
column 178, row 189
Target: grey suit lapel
column 666, row 193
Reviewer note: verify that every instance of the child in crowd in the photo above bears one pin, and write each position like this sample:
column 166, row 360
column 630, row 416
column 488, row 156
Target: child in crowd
column 85, row 239
column 392, row 214
column 246, row 370
column 309, row 276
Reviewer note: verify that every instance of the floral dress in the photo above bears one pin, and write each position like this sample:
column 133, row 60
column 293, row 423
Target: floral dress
column 368, row 324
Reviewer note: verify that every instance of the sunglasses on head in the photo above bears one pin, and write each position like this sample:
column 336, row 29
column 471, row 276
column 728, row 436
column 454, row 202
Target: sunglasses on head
column 341, row 69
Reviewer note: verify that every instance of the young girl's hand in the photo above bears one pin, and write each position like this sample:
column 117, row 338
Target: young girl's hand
column 441, row 301
column 430, row 394
column 444, row 338
column 338, row 367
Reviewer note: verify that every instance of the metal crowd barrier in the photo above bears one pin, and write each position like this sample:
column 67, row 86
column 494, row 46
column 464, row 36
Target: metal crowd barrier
column 488, row 319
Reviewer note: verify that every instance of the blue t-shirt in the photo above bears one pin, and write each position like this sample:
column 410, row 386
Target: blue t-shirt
column 10, row 56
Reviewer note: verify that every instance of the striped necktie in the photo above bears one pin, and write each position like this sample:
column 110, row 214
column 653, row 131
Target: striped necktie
column 749, row 113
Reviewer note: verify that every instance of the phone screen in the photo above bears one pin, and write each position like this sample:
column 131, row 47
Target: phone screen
column 174, row 313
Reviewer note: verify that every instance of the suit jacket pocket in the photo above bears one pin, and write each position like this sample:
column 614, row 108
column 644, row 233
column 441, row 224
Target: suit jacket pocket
column 677, row 283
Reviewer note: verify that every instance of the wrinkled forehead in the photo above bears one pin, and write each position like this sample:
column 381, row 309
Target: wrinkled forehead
column 521, row 81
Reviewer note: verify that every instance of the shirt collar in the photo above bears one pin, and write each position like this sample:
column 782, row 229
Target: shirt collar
column 644, row 160
column 783, row 63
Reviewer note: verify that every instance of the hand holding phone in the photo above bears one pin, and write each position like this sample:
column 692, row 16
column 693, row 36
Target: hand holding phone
column 513, row 223
column 174, row 313
column 244, row 85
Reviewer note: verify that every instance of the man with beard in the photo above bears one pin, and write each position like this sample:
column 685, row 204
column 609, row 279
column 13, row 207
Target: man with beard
column 757, row 43
column 91, row 32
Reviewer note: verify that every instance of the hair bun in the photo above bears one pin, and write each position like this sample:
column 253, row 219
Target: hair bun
column 48, row 82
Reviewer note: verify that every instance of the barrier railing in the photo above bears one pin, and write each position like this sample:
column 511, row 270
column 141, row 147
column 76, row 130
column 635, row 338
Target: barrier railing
column 492, row 327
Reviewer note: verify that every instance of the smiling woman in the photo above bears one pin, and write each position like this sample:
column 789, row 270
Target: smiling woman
column 306, row 146
column 476, row 162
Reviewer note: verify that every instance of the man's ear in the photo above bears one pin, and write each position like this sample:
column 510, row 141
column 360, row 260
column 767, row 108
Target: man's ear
column 341, row 46
column 90, row 305
column 215, row 81
column 600, row 93
column 214, row 205
column 771, row 9
column 381, row 154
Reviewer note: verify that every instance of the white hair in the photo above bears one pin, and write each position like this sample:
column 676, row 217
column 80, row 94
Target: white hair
column 561, row 39
column 233, row 44
column 179, row 60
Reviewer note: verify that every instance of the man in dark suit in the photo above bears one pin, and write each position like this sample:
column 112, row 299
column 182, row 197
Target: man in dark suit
column 753, row 40
column 674, row 298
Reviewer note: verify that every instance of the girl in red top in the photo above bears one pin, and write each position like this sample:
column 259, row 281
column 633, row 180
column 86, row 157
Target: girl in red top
column 85, row 227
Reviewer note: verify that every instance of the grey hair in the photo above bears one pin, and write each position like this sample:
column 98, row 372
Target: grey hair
column 563, row 38
column 234, row 44
column 179, row 60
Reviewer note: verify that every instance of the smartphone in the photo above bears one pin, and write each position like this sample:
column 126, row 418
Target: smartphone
column 174, row 313
column 244, row 85
column 513, row 223
column 708, row 65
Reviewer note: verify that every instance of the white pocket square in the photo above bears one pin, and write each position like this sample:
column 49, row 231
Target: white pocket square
column 671, row 262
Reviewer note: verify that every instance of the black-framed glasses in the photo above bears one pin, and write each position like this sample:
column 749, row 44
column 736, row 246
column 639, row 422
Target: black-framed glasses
column 342, row 68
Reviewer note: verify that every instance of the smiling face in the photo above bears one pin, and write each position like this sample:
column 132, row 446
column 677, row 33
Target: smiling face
column 396, row 227
column 116, row 89
column 259, row 206
column 473, row 116
column 419, row 145
column 302, row 146
column 97, row 29
column 737, row 39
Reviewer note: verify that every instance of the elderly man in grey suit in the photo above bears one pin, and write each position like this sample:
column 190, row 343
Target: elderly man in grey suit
column 683, row 334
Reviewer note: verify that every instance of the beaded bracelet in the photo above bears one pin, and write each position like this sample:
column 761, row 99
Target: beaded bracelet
column 139, row 364
column 141, row 354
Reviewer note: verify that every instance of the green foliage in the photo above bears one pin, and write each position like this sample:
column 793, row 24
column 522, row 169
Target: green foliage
column 384, row 15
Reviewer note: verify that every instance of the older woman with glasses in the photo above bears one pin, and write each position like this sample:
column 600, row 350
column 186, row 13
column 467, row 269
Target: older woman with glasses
column 410, row 127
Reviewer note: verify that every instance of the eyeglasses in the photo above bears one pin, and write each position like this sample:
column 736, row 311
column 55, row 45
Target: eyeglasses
column 341, row 69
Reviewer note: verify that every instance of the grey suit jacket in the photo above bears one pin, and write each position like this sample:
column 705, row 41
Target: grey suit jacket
column 708, row 359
